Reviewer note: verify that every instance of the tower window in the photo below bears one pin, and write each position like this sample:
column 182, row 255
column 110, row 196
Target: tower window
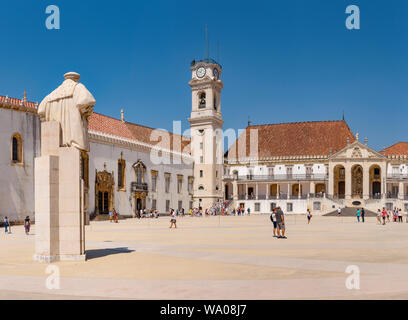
column 202, row 102
column 201, row 173
column 215, row 103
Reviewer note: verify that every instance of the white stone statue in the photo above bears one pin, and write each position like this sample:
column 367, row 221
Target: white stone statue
column 71, row 104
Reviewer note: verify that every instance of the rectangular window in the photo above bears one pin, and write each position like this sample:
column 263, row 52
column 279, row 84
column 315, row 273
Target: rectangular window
column 121, row 174
column 289, row 207
column 201, row 146
column 179, row 183
column 201, row 173
column 405, row 207
column 154, row 204
column 180, row 205
column 167, row 182
column 273, row 205
column 154, row 181
column 289, row 171
column 257, row 207
column 389, row 206
column 167, row 205
column 201, row 159
column 317, row 206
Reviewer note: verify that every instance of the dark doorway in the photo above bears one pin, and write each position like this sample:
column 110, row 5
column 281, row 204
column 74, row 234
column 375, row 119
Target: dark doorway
column 138, row 204
column 342, row 188
column 103, row 202
column 376, row 188
column 226, row 192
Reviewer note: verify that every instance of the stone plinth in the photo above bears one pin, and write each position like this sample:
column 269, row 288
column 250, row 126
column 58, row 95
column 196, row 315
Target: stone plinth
column 60, row 231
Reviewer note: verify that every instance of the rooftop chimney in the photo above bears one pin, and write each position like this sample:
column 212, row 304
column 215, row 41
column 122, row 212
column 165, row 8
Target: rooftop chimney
column 357, row 136
column 365, row 140
column 122, row 115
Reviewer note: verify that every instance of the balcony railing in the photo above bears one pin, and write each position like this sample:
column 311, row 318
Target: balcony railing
column 135, row 187
column 397, row 176
column 278, row 177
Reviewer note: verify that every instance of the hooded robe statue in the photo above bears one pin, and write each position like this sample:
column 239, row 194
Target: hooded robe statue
column 71, row 104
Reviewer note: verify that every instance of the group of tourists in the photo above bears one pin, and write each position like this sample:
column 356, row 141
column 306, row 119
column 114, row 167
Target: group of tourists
column 143, row 213
column 278, row 219
column 27, row 225
column 113, row 216
column 240, row 212
column 384, row 215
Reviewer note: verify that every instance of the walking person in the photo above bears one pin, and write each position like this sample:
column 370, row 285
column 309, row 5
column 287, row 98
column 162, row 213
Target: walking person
column 115, row 216
column 358, row 215
column 339, row 212
column 400, row 215
column 173, row 219
column 379, row 216
column 27, row 225
column 384, row 215
column 362, row 214
column 110, row 216
column 273, row 219
column 280, row 219
column 309, row 216
column 7, row 225
column 249, row 211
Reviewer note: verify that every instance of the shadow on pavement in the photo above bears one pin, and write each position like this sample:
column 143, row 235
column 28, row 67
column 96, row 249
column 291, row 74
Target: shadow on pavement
column 99, row 253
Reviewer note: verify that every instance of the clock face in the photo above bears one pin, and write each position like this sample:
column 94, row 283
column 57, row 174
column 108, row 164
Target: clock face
column 216, row 74
column 200, row 72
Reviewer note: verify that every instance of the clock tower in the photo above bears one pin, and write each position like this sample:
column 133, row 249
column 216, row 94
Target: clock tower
column 206, row 132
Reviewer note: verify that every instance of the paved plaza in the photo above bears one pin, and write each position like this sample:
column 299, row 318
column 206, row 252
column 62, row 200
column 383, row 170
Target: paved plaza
column 217, row 258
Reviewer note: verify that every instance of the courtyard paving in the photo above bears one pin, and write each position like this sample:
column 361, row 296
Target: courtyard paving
column 217, row 258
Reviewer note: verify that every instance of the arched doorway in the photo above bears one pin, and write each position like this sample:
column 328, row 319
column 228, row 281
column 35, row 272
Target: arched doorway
column 357, row 181
column 339, row 186
column 104, row 192
column 375, row 181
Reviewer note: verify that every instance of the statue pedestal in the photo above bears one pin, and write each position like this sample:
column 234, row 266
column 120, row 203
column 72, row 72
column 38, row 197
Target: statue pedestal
column 59, row 217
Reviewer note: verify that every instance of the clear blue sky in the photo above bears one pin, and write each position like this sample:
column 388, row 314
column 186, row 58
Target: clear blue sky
column 283, row 61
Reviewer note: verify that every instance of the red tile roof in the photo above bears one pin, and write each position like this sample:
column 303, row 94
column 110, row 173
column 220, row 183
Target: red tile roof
column 399, row 149
column 17, row 102
column 317, row 138
column 107, row 125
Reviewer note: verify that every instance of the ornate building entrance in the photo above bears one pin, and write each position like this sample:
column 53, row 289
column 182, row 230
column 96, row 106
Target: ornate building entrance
column 104, row 192
column 357, row 181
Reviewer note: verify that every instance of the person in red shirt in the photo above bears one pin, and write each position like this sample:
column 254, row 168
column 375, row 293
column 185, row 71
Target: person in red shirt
column 384, row 215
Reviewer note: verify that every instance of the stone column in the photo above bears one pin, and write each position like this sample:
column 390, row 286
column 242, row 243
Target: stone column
column 277, row 191
column 331, row 181
column 267, row 191
column 288, row 196
column 366, row 182
column 235, row 192
column 246, row 191
column 256, row 191
column 347, row 168
column 312, row 187
column 401, row 191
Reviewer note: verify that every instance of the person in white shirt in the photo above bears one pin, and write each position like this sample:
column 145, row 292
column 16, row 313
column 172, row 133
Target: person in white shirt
column 173, row 219
column 339, row 211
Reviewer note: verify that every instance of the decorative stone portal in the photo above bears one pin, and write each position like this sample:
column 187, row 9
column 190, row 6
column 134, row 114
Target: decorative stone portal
column 357, row 181
column 104, row 192
column 339, row 186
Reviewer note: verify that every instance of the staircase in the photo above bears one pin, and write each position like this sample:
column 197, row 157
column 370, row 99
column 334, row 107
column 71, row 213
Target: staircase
column 350, row 212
